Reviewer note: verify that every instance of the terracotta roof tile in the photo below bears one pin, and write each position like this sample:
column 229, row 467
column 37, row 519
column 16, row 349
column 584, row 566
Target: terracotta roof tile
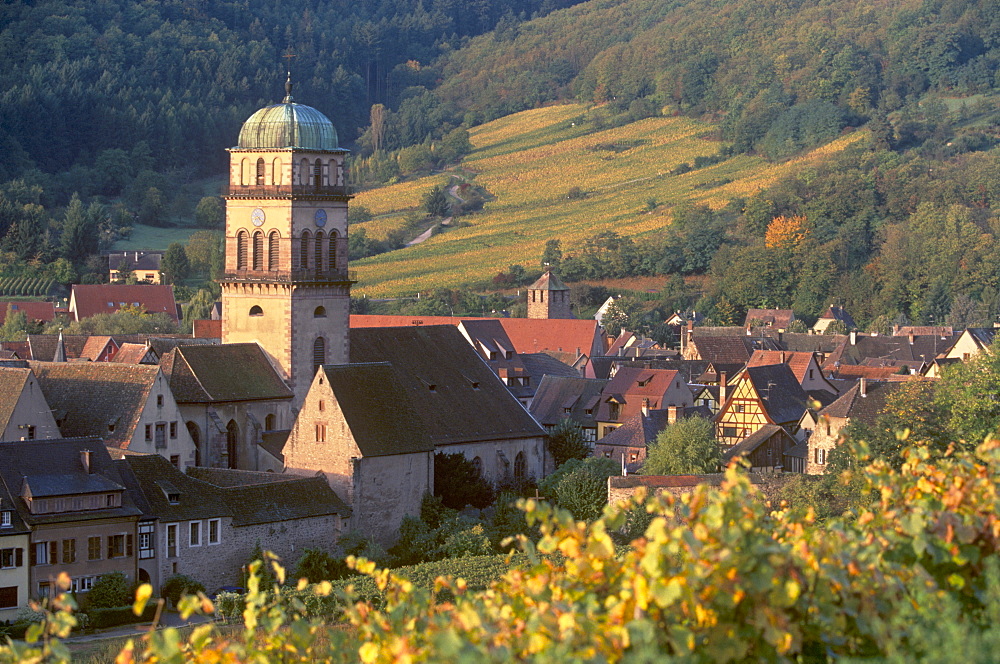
column 90, row 300
column 33, row 310
column 12, row 382
column 211, row 329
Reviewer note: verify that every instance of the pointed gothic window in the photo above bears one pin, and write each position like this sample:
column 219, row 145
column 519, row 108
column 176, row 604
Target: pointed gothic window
column 333, row 251
column 258, row 251
column 241, row 250
column 304, row 243
column 260, row 172
column 319, row 266
column 272, row 251
column 319, row 354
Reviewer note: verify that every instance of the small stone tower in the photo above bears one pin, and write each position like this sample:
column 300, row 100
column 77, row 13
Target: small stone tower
column 548, row 298
column 286, row 284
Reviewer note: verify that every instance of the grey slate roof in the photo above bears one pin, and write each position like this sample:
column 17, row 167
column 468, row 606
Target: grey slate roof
column 456, row 396
column 377, row 409
column 556, row 393
column 539, row 365
column 783, row 396
column 862, row 408
column 242, row 496
column 61, row 457
column 218, row 373
column 48, row 485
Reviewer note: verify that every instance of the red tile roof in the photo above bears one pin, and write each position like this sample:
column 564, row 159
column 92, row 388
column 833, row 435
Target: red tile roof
column 368, row 320
column 90, row 300
column 797, row 362
column 34, row 310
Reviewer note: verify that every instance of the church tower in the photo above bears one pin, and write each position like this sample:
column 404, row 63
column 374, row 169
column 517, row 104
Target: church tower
column 286, row 285
column 549, row 298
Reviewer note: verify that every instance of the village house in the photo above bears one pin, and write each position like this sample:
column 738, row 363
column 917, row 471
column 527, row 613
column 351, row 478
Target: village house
column 24, row 412
column 832, row 315
column 629, row 443
column 760, row 396
column 129, row 406
column 380, row 465
column 230, row 396
column 864, row 402
column 568, row 397
column 89, row 300
column 34, row 311
column 15, row 539
column 971, row 342
column 769, row 449
column 208, row 525
column 143, row 265
column 805, row 367
column 634, row 389
column 72, row 498
column 779, row 319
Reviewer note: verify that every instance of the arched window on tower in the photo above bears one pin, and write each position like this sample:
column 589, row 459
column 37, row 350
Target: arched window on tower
column 258, row 251
column 319, row 354
column 260, row 172
column 318, row 173
column 273, row 251
column 304, row 243
column 319, row 312
column 241, row 250
column 244, row 172
column 232, row 444
column 304, row 171
column 319, row 266
column 276, row 171
column 333, row 251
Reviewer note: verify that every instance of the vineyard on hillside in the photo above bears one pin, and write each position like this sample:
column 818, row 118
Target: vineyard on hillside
column 529, row 162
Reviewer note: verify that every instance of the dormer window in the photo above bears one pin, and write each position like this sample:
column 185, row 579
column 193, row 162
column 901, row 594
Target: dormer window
column 174, row 498
column 111, row 427
column 432, row 387
column 5, row 519
column 475, row 385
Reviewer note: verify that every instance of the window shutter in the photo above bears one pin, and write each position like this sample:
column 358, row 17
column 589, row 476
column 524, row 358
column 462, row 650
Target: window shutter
column 18, row 557
column 53, row 552
column 128, row 545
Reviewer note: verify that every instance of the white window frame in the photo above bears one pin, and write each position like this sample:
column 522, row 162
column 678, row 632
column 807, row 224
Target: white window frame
column 41, row 553
column 5, row 519
column 166, row 540
column 194, row 527
column 218, row 532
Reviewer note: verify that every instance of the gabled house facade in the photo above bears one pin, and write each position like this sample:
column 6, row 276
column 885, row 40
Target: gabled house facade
column 769, row 449
column 129, row 406
column 804, row 365
column 381, row 465
column 566, row 397
column 864, row 402
column 634, row 389
column 760, row 396
column 973, row 341
column 89, row 300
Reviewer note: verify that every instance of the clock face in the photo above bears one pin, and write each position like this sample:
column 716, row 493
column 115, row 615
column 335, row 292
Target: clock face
column 321, row 218
column 257, row 217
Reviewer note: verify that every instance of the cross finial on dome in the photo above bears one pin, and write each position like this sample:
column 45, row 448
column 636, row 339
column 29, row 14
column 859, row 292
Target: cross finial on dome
column 288, row 81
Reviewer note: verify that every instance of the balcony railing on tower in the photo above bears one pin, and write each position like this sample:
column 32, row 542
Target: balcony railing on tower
column 285, row 276
column 282, row 190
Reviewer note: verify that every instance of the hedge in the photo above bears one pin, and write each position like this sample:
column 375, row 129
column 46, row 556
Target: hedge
column 119, row 615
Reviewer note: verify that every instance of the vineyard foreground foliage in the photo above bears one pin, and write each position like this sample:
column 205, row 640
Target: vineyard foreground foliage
column 719, row 576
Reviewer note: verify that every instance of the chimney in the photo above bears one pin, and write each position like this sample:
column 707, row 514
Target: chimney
column 909, row 335
column 863, row 387
column 722, row 388
column 782, row 357
column 645, row 406
column 85, row 460
column 854, row 337
column 674, row 413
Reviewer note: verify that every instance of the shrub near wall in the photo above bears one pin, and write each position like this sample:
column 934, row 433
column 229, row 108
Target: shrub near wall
column 119, row 615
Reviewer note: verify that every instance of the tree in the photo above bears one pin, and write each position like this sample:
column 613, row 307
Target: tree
column 15, row 325
column 152, row 207
column 580, row 486
column 198, row 308
column 552, row 256
column 175, row 265
column 436, row 202
column 686, row 447
column 566, row 441
column 203, row 248
column 110, row 590
column 210, row 212
column 317, row 565
column 459, row 482
column 79, row 232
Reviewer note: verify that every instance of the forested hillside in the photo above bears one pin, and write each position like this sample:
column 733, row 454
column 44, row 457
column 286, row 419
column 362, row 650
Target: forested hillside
column 168, row 83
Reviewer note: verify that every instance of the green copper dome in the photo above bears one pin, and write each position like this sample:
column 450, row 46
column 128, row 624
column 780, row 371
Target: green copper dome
column 288, row 125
